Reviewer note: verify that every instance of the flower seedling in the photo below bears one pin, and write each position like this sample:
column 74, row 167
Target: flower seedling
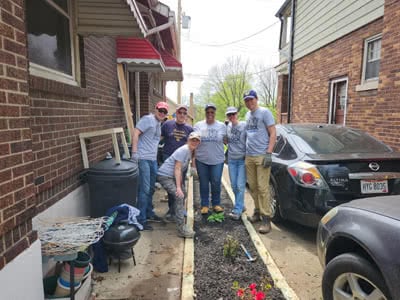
column 252, row 292
column 216, row 217
column 231, row 246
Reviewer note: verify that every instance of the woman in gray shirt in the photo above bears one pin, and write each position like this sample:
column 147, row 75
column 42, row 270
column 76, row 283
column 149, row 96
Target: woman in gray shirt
column 210, row 159
column 170, row 177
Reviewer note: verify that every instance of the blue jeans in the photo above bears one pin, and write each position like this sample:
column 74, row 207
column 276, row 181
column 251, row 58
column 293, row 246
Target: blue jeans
column 237, row 175
column 210, row 174
column 147, row 179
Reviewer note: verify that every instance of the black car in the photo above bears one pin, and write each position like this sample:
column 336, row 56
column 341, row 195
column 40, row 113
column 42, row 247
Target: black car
column 318, row 166
column 358, row 244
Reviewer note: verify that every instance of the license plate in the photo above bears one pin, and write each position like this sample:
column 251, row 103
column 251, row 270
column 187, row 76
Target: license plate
column 374, row 186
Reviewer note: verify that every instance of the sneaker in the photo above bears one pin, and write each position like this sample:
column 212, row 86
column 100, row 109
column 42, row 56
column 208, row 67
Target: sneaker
column 265, row 226
column 147, row 227
column 204, row 210
column 218, row 209
column 170, row 218
column 185, row 232
column 154, row 218
column 255, row 217
column 234, row 216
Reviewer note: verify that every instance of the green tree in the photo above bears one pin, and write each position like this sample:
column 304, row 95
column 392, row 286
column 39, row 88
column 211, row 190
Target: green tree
column 225, row 86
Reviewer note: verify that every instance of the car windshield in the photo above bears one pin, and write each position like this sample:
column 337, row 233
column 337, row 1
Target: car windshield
column 333, row 139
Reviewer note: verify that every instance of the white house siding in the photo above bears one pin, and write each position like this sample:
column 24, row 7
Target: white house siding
column 320, row 22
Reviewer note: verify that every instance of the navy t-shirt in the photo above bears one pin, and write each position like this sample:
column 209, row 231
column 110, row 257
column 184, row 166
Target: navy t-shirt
column 175, row 135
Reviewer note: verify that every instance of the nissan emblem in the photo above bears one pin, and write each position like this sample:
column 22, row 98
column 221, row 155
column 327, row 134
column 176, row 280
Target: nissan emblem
column 374, row 166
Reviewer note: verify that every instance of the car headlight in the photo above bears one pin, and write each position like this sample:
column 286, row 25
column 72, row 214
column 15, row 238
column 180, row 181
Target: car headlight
column 329, row 215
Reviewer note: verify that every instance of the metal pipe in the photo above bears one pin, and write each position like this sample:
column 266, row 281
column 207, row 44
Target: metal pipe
column 290, row 61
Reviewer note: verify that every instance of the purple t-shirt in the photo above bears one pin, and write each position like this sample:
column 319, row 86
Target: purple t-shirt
column 175, row 135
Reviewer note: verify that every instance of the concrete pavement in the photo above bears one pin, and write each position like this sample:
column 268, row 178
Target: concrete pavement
column 165, row 262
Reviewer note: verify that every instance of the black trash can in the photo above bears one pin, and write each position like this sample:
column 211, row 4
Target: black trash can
column 111, row 184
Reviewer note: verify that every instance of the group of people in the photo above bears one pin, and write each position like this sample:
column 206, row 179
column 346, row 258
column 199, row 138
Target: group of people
column 201, row 148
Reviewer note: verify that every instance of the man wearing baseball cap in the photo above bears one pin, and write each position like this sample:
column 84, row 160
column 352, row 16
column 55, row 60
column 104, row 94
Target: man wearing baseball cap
column 175, row 134
column 145, row 139
column 261, row 138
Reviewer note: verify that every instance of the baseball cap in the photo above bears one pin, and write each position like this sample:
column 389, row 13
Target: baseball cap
column 162, row 104
column 231, row 110
column 210, row 105
column 182, row 106
column 194, row 135
column 250, row 95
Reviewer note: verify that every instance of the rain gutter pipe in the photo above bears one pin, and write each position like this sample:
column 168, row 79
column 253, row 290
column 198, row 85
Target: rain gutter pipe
column 290, row 63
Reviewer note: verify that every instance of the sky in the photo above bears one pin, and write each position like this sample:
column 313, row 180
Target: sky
column 218, row 22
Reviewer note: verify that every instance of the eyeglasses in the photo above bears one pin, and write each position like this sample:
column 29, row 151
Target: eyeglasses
column 182, row 113
column 231, row 114
column 163, row 111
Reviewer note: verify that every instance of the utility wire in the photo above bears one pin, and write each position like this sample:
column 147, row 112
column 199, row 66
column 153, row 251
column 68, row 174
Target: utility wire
column 206, row 75
column 236, row 41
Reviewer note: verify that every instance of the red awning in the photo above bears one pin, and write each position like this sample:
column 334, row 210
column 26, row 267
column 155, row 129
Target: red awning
column 173, row 68
column 139, row 55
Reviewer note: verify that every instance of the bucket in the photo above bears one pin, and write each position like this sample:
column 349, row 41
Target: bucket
column 66, row 275
column 82, row 261
column 88, row 271
column 64, row 290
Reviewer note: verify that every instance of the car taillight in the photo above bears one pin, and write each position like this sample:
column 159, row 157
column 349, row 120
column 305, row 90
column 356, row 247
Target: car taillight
column 306, row 175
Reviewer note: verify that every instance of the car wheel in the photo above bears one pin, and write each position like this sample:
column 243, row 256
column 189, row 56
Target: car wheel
column 350, row 276
column 276, row 213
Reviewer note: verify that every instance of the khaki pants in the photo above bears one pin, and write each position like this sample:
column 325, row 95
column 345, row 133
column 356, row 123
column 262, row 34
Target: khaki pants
column 258, row 180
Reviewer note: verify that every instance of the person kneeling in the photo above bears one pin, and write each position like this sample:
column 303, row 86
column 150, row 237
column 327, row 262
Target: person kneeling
column 170, row 177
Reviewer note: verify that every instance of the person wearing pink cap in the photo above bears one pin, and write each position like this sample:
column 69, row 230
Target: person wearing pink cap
column 145, row 139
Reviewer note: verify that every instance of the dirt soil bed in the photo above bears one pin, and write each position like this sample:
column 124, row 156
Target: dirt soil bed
column 214, row 274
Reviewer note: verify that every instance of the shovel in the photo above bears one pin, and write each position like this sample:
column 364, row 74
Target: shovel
column 249, row 257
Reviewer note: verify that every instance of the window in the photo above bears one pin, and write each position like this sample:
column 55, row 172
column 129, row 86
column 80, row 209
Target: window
column 50, row 39
column 286, row 21
column 372, row 58
column 371, row 63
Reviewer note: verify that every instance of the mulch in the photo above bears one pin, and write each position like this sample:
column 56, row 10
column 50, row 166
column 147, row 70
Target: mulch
column 214, row 274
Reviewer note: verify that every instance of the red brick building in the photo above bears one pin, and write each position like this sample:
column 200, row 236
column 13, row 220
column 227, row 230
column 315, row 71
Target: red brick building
column 341, row 65
column 58, row 78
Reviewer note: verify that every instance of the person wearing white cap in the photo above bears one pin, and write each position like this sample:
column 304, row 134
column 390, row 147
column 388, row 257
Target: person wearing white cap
column 210, row 159
column 145, row 139
column 170, row 176
column 174, row 134
column 261, row 139
column 236, row 137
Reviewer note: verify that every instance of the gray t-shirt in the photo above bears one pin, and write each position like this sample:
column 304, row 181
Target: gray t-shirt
column 236, row 140
column 256, row 129
column 181, row 154
column 211, row 148
column 150, row 137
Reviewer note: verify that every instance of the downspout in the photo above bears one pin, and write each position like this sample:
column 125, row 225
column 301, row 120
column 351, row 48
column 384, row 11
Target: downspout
column 290, row 61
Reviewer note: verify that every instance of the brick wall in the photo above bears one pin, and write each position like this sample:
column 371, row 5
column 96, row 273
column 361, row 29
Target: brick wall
column 60, row 112
column 373, row 111
column 387, row 122
column 17, row 201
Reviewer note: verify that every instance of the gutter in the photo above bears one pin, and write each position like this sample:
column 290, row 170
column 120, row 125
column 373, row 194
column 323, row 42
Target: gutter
column 290, row 63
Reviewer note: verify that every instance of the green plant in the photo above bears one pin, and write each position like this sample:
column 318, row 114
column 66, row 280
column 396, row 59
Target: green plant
column 252, row 292
column 231, row 246
column 216, row 217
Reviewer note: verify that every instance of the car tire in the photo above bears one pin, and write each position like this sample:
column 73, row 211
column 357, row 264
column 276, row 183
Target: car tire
column 275, row 207
column 336, row 275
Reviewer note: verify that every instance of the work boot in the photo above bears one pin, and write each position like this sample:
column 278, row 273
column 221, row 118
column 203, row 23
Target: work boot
column 185, row 232
column 218, row 208
column 265, row 226
column 204, row 210
column 255, row 217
